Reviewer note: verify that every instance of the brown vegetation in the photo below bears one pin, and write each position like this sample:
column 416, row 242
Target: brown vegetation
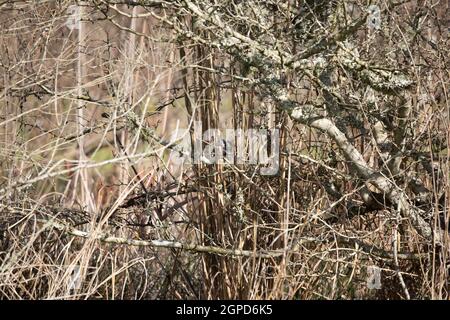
column 93, row 205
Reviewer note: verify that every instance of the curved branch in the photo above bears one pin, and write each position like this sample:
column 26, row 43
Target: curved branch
column 375, row 178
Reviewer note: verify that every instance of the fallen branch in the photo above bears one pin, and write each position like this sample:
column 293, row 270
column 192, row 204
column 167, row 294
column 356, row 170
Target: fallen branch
column 269, row 254
column 161, row 243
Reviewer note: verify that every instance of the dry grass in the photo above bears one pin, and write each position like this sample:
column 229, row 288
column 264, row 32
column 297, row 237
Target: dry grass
column 86, row 184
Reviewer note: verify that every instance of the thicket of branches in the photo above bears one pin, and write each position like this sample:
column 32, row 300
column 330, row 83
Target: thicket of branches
column 94, row 205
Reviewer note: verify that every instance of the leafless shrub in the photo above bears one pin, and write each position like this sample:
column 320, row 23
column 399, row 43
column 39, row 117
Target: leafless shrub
column 93, row 204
